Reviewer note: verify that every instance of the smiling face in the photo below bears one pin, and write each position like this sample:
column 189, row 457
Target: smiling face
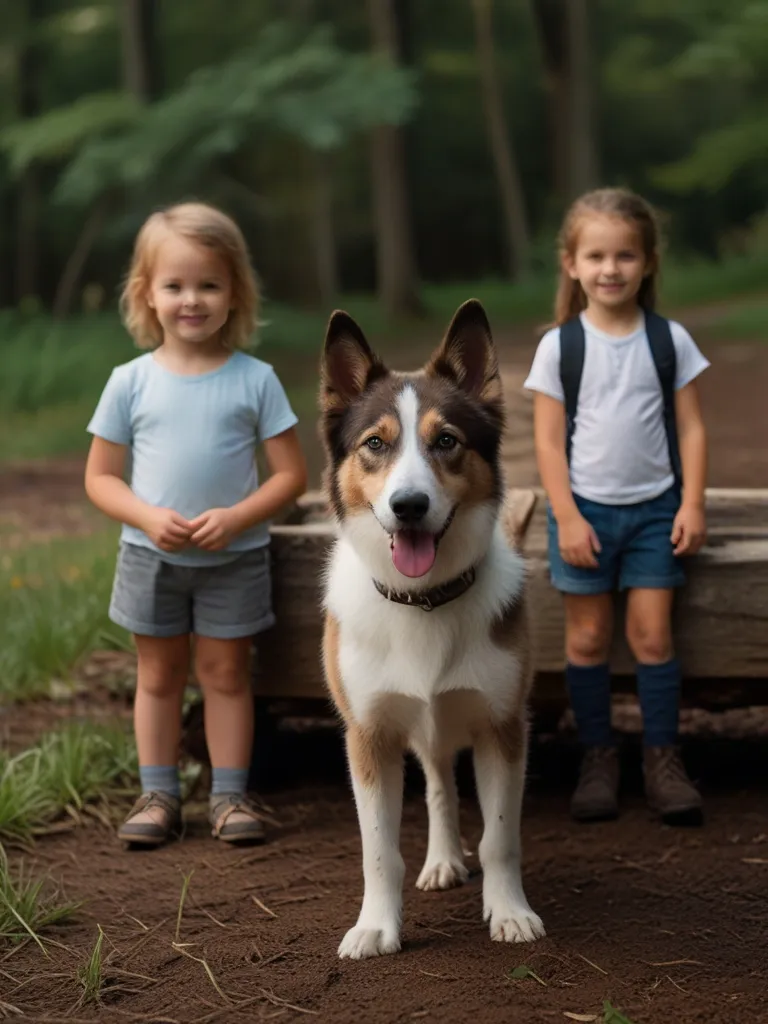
column 190, row 290
column 608, row 260
column 413, row 458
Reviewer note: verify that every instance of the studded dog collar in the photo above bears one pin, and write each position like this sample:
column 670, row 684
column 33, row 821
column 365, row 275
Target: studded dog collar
column 427, row 600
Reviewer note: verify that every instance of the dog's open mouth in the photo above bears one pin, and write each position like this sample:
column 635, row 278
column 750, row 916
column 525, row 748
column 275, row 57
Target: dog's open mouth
column 413, row 551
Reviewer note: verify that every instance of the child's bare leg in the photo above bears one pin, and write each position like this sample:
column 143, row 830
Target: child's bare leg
column 223, row 668
column 649, row 624
column 588, row 628
column 649, row 633
column 588, row 631
column 163, row 670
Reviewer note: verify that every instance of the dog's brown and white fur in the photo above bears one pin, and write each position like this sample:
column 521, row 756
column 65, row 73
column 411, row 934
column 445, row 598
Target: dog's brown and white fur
column 414, row 477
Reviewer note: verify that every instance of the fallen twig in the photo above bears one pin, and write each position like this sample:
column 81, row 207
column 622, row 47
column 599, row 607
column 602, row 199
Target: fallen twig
column 266, row 909
column 179, row 947
column 277, row 1001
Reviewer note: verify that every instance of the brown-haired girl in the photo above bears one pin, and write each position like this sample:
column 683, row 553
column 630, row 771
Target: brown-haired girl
column 621, row 449
column 194, row 555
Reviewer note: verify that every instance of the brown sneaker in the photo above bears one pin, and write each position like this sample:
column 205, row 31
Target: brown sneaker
column 237, row 819
column 596, row 796
column 670, row 792
column 153, row 819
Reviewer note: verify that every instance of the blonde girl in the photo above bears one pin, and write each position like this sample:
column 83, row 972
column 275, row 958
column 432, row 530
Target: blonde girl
column 193, row 562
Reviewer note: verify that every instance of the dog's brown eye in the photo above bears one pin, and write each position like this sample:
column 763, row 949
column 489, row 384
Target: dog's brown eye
column 446, row 442
column 374, row 443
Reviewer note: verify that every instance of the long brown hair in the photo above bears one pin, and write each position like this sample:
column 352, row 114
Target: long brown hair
column 570, row 299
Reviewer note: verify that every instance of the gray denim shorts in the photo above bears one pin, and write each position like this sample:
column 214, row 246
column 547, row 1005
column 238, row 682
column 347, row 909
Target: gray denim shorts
column 152, row 597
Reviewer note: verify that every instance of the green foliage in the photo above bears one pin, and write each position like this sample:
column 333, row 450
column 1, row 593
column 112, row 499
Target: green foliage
column 728, row 55
column 53, row 610
column 718, row 156
column 307, row 88
column 27, row 905
column 90, row 974
column 63, row 773
column 244, row 102
column 57, row 134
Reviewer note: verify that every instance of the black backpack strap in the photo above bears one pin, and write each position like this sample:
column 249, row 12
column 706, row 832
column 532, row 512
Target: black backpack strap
column 572, row 344
column 665, row 360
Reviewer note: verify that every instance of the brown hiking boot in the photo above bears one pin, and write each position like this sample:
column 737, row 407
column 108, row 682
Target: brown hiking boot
column 596, row 796
column 237, row 819
column 670, row 792
column 153, row 819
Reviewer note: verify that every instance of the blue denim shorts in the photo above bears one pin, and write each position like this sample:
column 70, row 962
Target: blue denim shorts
column 636, row 549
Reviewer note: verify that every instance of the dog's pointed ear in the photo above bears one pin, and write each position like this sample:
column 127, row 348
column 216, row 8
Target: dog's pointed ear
column 348, row 364
column 467, row 355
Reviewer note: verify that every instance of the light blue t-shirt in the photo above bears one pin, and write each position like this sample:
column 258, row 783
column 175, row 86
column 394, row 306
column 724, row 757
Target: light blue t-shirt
column 192, row 440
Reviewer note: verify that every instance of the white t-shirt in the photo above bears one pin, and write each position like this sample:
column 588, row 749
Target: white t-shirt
column 619, row 452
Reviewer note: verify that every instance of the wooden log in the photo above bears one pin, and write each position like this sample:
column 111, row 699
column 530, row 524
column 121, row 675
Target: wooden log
column 721, row 618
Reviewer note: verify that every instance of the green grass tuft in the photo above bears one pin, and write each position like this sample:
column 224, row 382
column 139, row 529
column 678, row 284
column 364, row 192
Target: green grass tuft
column 27, row 906
column 65, row 771
column 54, row 601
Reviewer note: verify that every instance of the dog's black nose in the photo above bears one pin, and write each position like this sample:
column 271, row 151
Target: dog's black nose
column 409, row 506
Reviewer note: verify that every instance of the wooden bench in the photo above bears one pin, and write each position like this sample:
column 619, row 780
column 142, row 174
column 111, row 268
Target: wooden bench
column 721, row 617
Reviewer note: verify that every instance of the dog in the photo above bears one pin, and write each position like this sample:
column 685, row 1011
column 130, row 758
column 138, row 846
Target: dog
column 426, row 639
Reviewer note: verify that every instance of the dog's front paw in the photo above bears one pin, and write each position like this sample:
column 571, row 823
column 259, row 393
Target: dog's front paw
column 443, row 874
column 360, row 943
column 514, row 924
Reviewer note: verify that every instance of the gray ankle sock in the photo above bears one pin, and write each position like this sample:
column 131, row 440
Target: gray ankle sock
column 160, row 778
column 229, row 780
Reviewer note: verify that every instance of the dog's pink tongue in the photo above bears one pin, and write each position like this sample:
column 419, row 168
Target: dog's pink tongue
column 413, row 552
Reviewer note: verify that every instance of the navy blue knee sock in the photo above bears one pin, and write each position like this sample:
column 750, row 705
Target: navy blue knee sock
column 658, row 688
column 589, row 687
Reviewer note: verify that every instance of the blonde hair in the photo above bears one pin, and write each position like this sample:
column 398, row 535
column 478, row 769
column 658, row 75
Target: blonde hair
column 570, row 299
column 207, row 226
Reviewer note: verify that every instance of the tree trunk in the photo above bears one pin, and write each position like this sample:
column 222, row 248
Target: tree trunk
column 550, row 26
column 504, row 162
column 28, row 199
column 73, row 269
column 583, row 158
column 138, row 36
column 563, row 30
column 396, row 260
column 323, row 236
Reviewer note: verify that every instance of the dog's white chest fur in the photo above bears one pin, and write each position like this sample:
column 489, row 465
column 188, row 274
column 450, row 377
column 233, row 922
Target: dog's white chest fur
column 387, row 648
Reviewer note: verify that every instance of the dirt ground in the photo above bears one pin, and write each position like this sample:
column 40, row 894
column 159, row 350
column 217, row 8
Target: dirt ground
column 669, row 925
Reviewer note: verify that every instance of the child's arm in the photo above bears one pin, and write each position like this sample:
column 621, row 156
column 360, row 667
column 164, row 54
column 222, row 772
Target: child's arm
column 577, row 540
column 214, row 529
column 689, row 530
column 106, row 488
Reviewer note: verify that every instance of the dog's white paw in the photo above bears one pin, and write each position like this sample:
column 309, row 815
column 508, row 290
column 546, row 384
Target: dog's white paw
column 515, row 924
column 360, row 943
column 444, row 874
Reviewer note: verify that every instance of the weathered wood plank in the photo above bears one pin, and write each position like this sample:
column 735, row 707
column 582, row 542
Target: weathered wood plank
column 721, row 617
